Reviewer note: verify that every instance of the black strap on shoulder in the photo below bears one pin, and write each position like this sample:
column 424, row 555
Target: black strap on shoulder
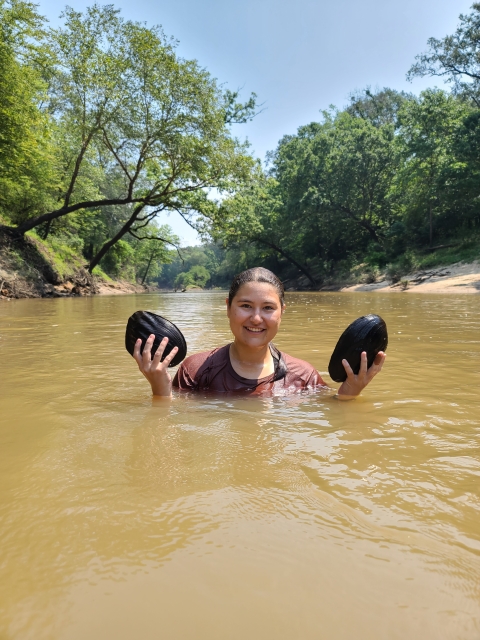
column 280, row 365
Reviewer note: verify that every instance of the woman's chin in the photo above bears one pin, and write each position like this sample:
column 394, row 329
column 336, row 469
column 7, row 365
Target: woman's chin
column 257, row 339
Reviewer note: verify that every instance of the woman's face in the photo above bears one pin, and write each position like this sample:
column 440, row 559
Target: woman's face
column 255, row 314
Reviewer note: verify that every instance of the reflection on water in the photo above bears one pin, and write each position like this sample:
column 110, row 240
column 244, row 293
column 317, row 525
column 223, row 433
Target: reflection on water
column 215, row 518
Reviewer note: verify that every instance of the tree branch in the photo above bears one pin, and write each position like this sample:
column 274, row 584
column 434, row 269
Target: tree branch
column 287, row 257
column 132, row 233
column 58, row 213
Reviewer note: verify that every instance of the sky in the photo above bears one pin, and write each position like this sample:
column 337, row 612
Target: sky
column 298, row 56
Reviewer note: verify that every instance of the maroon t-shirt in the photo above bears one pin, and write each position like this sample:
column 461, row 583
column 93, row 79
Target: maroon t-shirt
column 213, row 370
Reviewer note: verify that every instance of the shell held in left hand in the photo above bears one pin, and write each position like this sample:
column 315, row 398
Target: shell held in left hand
column 367, row 333
column 143, row 323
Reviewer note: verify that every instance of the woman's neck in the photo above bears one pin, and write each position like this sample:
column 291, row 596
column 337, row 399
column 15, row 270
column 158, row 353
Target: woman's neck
column 251, row 363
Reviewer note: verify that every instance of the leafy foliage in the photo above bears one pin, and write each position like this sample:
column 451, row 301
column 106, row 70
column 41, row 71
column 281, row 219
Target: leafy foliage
column 455, row 57
column 135, row 130
column 103, row 128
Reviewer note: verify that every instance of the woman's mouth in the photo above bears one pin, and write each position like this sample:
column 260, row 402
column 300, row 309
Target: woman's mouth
column 254, row 329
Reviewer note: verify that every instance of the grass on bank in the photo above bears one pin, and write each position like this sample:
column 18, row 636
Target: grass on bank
column 62, row 256
column 426, row 259
column 411, row 261
column 465, row 252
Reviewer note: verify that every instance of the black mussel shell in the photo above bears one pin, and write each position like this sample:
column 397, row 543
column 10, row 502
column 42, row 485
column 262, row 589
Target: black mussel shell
column 143, row 323
column 368, row 333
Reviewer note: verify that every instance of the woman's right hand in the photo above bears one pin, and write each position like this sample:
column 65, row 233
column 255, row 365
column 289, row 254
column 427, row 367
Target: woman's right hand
column 155, row 372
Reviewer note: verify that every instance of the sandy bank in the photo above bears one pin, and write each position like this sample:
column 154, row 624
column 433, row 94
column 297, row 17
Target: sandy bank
column 120, row 287
column 456, row 278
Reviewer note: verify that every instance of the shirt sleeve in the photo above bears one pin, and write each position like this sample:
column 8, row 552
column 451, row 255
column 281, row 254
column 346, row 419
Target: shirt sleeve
column 183, row 379
column 315, row 380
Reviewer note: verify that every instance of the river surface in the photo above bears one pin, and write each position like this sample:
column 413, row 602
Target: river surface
column 214, row 518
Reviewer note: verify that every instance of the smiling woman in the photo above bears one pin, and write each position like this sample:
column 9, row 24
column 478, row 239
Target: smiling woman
column 252, row 363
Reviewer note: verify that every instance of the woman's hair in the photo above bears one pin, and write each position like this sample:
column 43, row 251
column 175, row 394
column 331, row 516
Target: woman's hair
column 257, row 274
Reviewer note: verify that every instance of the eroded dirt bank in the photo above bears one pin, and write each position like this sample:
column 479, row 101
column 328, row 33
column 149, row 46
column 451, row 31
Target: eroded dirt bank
column 27, row 270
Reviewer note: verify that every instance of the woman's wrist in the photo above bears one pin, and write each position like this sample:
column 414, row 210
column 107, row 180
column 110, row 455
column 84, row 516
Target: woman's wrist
column 162, row 393
column 346, row 393
column 344, row 396
column 161, row 390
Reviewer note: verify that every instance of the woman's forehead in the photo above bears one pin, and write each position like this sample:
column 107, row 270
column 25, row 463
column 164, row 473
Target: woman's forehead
column 263, row 290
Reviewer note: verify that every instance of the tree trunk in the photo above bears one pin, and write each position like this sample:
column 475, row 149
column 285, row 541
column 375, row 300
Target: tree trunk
column 289, row 258
column 89, row 251
column 76, row 169
column 47, row 230
column 431, row 224
column 108, row 245
column 148, row 267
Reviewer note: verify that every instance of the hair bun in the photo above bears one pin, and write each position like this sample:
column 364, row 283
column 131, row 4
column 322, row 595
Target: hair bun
column 368, row 333
column 143, row 323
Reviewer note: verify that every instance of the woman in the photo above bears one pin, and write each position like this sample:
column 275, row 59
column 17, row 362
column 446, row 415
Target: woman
column 255, row 306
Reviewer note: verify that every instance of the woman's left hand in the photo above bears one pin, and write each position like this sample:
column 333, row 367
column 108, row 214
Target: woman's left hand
column 354, row 384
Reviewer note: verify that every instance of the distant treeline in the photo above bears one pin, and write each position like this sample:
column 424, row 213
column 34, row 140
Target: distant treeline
column 103, row 128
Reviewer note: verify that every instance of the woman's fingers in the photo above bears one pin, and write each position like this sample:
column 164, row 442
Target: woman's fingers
column 159, row 352
column 136, row 351
column 170, row 356
column 354, row 384
column 377, row 364
column 147, row 350
column 363, row 363
column 348, row 368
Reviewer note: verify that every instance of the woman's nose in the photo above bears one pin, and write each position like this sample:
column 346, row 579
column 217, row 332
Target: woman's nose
column 256, row 316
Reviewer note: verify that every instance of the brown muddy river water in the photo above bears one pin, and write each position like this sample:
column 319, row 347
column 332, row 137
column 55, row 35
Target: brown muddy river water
column 232, row 518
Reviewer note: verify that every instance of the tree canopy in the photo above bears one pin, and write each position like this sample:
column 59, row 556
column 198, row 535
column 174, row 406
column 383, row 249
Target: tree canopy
column 456, row 57
column 135, row 130
column 104, row 129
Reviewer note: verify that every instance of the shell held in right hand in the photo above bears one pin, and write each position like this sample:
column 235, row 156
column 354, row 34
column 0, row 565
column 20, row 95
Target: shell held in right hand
column 367, row 333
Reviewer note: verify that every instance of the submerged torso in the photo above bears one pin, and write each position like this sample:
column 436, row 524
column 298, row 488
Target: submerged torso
column 212, row 370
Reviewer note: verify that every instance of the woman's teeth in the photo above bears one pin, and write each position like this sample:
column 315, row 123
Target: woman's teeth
column 254, row 330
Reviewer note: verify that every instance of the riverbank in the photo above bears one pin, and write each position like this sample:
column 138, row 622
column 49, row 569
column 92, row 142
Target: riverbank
column 455, row 278
column 30, row 269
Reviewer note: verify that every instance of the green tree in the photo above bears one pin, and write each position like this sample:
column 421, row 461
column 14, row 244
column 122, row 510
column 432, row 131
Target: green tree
column 334, row 181
column 207, row 255
column 197, row 276
column 27, row 167
column 154, row 127
column 427, row 130
column 152, row 252
column 378, row 107
column 325, row 200
column 256, row 214
column 456, row 57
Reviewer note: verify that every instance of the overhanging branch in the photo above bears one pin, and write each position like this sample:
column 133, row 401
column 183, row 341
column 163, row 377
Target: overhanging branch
column 132, row 233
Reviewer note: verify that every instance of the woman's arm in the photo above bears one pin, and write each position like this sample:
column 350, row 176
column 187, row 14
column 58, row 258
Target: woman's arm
column 155, row 372
column 354, row 384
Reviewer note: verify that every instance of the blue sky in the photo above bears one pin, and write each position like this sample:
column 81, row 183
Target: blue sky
column 299, row 57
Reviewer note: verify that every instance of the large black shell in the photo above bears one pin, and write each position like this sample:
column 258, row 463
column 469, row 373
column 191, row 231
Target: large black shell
column 368, row 333
column 143, row 323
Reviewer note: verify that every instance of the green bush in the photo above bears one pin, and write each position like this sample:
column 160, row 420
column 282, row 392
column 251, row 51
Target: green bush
column 119, row 261
column 197, row 276
column 401, row 267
